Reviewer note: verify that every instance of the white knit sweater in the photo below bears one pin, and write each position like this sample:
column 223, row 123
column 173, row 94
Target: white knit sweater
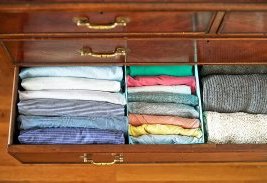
column 236, row 128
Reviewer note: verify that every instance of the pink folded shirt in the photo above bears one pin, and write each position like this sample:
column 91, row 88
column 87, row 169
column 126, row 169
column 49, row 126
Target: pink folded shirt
column 161, row 80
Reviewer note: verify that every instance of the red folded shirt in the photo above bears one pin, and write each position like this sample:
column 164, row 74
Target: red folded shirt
column 161, row 80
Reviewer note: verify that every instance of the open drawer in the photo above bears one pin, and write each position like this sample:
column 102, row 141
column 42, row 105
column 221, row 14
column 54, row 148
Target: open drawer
column 128, row 153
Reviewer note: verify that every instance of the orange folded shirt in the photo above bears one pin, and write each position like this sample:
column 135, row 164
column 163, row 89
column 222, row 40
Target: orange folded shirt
column 138, row 120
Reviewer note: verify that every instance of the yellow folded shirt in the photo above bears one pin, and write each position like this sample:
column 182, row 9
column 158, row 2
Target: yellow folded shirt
column 158, row 129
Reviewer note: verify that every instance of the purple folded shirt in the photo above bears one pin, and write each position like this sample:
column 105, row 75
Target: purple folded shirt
column 71, row 136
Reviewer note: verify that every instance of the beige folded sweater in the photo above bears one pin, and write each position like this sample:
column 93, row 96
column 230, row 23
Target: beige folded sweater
column 236, row 128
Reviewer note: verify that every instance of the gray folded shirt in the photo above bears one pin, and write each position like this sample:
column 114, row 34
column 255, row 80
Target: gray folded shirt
column 62, row 107
column 100, row 122
column 163, row 97
column 171, row 109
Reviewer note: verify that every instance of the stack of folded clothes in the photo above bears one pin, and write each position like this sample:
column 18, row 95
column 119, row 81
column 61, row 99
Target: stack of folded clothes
column 235, row 104
column 72, row 105
column 162, row 105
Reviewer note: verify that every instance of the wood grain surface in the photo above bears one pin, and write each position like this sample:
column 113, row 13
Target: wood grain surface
column 13, row 171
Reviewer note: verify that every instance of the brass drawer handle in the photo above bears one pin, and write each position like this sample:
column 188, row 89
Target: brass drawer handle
column 118, row 158
column 85, row 22
column 116, row 53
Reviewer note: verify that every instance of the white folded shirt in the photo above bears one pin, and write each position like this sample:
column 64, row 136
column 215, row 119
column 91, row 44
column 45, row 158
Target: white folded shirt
column 115, row 98
column 183, row 89
column 69, row 83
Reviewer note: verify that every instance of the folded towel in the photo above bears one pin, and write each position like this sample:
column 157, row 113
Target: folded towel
column 108, row 72
column 163, row 98
column 105, row 123
column 161, row 80
column 115, row 98
column 137, row 120
column 233, row 69
column 183, row 89
column 59, row 107
column 70, row 83
column 164, row 139
column 168, row 109
column 71, row 136
column 236, row 128
column 235, row 93
column 170, row 70
column 157, row 129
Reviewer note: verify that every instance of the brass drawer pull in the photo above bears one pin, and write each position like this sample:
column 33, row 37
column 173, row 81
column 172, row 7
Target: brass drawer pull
column 116, row 53
column 118, row 158
column 85, row 22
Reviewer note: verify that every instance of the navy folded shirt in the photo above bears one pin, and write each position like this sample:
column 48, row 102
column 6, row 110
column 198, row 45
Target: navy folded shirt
column 71, row 136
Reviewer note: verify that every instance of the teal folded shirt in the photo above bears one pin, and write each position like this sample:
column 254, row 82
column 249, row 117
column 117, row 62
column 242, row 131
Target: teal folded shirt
column 164, row 139
column 170, row 70
column 105, row 123
column 163, row 97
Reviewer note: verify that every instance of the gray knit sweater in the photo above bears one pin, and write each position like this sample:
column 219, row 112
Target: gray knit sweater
column 233, row 69
column 235, row 93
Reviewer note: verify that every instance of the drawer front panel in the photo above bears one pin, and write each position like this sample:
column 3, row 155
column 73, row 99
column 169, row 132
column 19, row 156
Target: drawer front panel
column 123, row 22
column 244, row 22
column 108, row 158
column 67, row 51
column 90, row 154
column 160, row 50
column 232, row 51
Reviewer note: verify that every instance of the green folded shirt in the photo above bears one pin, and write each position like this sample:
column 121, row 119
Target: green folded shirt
column 170, row 70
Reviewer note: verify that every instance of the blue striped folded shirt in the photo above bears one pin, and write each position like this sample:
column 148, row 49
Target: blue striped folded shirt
column 63, row 107
column 105, row 123
column 71, row 136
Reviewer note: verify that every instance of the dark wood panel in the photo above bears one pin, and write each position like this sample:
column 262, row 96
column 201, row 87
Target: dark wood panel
column 137, row 22
column 232, row 52
column 244, row 22
column 178, row 1
column 160, row 50
column 134, row 6
column 64, row 51
column 217, row 21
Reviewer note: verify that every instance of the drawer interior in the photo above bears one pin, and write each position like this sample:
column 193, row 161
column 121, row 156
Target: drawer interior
column 132, row 153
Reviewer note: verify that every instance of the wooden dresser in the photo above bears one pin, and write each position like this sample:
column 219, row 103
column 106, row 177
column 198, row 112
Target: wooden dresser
column 131, row 32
